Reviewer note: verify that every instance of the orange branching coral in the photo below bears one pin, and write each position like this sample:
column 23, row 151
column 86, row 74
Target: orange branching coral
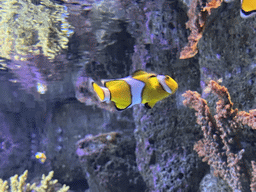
column 221, row 145
column 253, row 181
column 212, row 5
column 247, row 118
column 197, row 14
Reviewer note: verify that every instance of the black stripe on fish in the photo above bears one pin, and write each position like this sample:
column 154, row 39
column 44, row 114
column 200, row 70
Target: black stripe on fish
column 248, row 13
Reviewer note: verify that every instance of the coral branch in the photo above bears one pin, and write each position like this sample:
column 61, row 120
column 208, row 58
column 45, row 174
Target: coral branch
column 196, row 23
column 221, row 146
column 253, row 181
column 18, row 184
column 247, row 118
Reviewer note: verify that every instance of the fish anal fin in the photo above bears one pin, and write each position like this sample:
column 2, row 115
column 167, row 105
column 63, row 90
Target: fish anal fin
column 150, row 104
column 147, row 106
column 120, row 107
column 139, row 72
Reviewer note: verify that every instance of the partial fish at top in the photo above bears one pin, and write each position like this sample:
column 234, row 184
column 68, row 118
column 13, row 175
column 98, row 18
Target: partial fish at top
column 248, row 8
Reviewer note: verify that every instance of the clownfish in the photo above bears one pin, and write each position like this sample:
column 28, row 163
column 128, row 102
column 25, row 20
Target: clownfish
column 41, row 157
column 140, row 87
column 248, row 8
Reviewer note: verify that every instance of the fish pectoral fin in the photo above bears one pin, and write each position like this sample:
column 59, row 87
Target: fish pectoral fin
column 150, row 104
column 99, row 91
column 102, row 92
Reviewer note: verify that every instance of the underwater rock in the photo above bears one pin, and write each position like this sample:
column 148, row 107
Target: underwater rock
column 164, row 152
column 109, row 163
column 164, row 134
column 227, row 53
column 14, row 145
column 210, row 183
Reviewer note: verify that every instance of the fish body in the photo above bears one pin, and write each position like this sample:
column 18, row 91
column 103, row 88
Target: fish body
column 41, row 157
column 140, row 87
column 248, row 8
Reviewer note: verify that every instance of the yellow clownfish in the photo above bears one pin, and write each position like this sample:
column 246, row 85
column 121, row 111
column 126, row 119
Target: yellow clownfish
column 140, row 87
column 41, row 157
column 248, row 8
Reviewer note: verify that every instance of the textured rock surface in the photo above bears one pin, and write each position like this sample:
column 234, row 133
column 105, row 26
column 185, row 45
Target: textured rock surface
column 211, row 183
column 109, row 163
column 164, row 134
column 227, row 52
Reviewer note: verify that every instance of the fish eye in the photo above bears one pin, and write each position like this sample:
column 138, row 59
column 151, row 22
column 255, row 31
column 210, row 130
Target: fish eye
column 167, row 77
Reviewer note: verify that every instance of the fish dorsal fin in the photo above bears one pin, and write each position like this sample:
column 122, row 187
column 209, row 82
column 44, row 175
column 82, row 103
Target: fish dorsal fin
column 111, row 83
column 104, row 81
column 139, row 72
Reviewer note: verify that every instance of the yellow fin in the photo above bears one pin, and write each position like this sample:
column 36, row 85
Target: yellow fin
column 139, row 72
column 98, row 90
column 120, row 107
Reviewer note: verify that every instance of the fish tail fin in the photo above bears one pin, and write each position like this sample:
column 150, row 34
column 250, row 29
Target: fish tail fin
column 102, row 92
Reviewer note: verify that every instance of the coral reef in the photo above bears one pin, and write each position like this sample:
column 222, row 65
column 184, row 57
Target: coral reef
column 27, row 26
column 253, row 180
column 224, row 134
column 148, row 34
column 109, row 162
column 46, row 185
column 197, row 13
